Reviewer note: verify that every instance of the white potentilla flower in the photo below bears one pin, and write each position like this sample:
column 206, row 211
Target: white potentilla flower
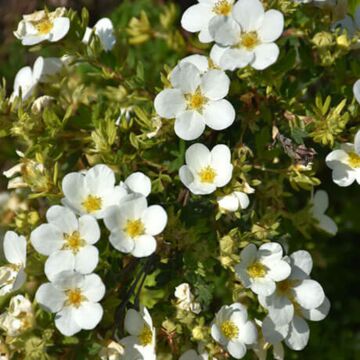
column 232, row 329
column 142, row 339
column 234, row 201
column 248, row 38
column 137, row 184
column 320, row 205
column 74, row 298
column 345, row 163
column 260, row 269
column 296, row 296
column 196, row 99
column 19, row 316
column 41, row 103
column 68, row 241
column 104, row 30
column 92, row 192
column 113, row 351
column 12, row 275
column 206, row 170
column 186, row 299
column 43, row 25
column 200, row 17
column 133, row 226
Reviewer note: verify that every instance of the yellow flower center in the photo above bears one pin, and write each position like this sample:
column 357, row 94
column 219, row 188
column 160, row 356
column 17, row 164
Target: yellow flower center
column 207, row 175
column 92, row 203
column 354, row 160
column 196, row 101
column 134, row 228
column 256, row 270
column 229, row 329
column 74, row 297
column 222, row 7
column 145, row 336
column 44, row 26
column 249, row 40
column 73, row 242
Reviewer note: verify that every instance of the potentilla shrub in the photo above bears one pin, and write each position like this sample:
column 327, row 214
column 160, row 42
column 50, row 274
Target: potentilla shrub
column 168, row 178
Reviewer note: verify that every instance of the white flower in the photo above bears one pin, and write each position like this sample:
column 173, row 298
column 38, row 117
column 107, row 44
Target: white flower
column 113, row 351
column 232, row 329
column 295, row 297
column 137, row 184
column 234, row 201
column 206, row 170
column 248, row 38
column 12, row 275
column 200, row 17
column 142, row 335
column 186, row 299
column 260, row 269
column 133, row 226
column 345, row 163
column 104, row 29
column 320, row 205
column 43, row 25
column 19, row 316
column 196, row 99
column 91, row 192
column 74, row 298
column 67, row 241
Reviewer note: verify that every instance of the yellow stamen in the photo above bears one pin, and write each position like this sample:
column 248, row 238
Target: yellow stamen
column 134, row 228
column 44, row 26
column 249, row 40
column 92, row 203
column 207, row 175
column 73, row 242
column 256, row 270
column 354, row 160
column 229, row 329
column 222, row 7
column 196, row 101
column 145, row 336
column 74, row 297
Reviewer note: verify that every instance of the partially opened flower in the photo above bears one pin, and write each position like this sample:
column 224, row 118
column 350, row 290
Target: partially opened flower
column 235, row 201
column 249, row 37
column 137, row 184
column 12, row 275
column 320, row 205
column 43, row 25
column 345, row 163
column 200, row 17
column 206, row 170
column 67, row 241
column 186, row 300
column 74, row 298
column 142, row 334
column 260, row 269
column 195, row 100
column 104, row 30
column 133, row 225
column 232, row 330
column 91, row 192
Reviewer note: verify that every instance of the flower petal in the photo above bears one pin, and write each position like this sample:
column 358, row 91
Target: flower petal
column 236, row 349
column 299, row 334
column 89, row 229
column 301, row 264
column 272, row 332
column 139, row 183
column 200, row 61
column 50, row 297
column 224, row 30
column 155, row 219
column 309, row 294
column 248, row 333
column 219, row 115
column 62, row 260
column 189, row 125
column 120, row 241
column 88, row 315
column 233, row 59
column 185, row 77
column 169, row 102
column 145, row 245
column 197, row 156
column 65, row 321
column 61, row 26
column 249, row 14
column 319, row 313
column 86, row 259
column 215, row 84
column 356, row 90
column 93, row 288
column 271, row 27
column 62, row 218
column 265, row 55
column 15, row 248
column 196, row 17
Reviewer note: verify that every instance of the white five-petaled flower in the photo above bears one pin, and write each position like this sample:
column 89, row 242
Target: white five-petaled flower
column 248, row 38
column 206, row 170
column 133, row 226
column 234, row 201
column 185, row 299
column 320, row 205
column 19, row 317
column 67, row 241
column 295, row 299
column 74, row 298
column 260, row 269
column 201, row 17
column 196, row 99
column 232, row 329
column 43, row 25
column 104, row 30
column 92, row 192
column 345, row 163
column 12, row 275
column 141, row 342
